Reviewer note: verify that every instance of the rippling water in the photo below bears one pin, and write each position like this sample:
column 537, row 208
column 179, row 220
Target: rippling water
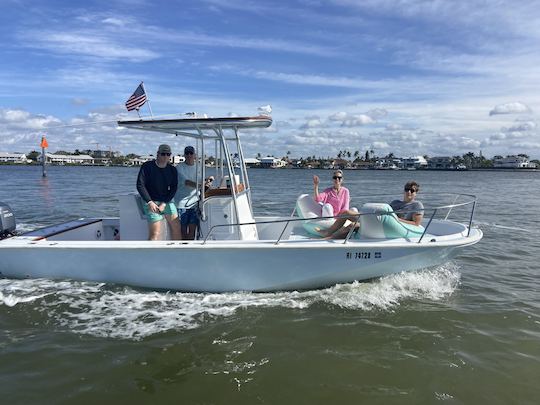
column 464, row 332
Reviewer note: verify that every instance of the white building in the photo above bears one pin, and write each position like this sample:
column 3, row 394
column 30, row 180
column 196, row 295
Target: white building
column 414, row 162
column 272, row 162
column 513, row 162
column 388, row 164
column 67, row 159
column 140, row 160
column 177, row 159
column 252, row 162
column 13, row 157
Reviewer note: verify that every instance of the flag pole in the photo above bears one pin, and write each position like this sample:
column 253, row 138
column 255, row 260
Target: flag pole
column 147, row 100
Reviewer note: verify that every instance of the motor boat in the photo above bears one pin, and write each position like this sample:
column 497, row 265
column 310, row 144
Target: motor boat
column 234, row 250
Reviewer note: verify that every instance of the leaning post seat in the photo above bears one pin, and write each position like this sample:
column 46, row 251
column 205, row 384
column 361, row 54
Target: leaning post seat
column 133, row 223
column 379, row 222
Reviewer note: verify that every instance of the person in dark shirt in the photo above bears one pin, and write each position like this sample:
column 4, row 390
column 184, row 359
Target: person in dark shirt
column 157, row 183
column 409, row 210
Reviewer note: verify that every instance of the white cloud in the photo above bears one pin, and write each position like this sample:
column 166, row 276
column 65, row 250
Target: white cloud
column 521, row 127
column 339, row 116
column 90, row 43
column 357, row 120
column 312, row 123
column 11, row 119
column 377, row 113
column 117, row 21
column 380, row 145
column 510, row 108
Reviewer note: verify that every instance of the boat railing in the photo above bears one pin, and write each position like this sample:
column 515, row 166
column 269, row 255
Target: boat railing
column 471, row 200
column 355, row 218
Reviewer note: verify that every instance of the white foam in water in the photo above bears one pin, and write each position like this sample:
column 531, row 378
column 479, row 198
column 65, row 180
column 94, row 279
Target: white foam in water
column 24, row 227
column 98, row 310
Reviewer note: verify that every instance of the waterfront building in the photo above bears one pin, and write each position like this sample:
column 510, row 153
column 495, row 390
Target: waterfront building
column 272, row 162
column 66, row 159
column 138, row 161
column 252, row 162
column 341, row 164
column 6, row 157
column 388, row 164
column 513, row 162
column 362, row 164
column 177, row 159
column 414, row 162
column 440, row 162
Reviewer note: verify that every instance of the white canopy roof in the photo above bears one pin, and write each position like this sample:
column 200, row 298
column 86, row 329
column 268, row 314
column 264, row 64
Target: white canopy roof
column 178, row 126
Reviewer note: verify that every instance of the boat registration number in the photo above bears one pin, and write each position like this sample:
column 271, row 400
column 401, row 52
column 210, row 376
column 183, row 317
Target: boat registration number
column 363, row 255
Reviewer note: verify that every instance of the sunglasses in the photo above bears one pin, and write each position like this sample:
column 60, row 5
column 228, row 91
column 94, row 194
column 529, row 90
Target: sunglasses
column 165, row 154
column 337, row 178
column 189, row 153
column 412, row 190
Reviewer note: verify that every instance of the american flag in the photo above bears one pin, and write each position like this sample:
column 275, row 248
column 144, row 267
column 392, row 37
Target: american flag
column 137, row 99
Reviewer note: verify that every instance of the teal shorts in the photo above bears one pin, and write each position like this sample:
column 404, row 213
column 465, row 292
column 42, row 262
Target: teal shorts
column 170, row 209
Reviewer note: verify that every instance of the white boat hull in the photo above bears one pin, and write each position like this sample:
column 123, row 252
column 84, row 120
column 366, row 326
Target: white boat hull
column 221, row 266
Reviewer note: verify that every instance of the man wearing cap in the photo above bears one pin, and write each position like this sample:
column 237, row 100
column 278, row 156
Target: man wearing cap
column 186, row 195
column 157, row 184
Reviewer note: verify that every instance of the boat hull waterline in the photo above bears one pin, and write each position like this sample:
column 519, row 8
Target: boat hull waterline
column 223, row 266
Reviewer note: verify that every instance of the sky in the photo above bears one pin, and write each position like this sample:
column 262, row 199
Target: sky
column 409, row 77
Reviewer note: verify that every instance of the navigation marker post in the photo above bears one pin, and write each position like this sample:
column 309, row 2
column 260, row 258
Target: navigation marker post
column 44, row 145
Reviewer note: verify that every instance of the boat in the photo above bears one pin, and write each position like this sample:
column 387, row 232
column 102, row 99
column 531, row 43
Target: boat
column 235, row 250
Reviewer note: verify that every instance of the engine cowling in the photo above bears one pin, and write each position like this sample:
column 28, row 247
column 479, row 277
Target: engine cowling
column 7, row 221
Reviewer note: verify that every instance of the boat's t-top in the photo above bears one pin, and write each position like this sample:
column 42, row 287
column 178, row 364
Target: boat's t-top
column 230, row 203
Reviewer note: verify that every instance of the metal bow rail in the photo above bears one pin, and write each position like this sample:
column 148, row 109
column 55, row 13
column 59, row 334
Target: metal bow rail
column 356, row 217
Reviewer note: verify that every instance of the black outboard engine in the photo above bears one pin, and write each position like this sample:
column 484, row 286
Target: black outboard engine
column 7, row 221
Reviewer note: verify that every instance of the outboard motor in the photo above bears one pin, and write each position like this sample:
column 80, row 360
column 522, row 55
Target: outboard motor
column 7, row 221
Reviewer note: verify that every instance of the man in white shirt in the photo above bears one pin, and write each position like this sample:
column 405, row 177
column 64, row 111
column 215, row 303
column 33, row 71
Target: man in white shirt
column 187, row 194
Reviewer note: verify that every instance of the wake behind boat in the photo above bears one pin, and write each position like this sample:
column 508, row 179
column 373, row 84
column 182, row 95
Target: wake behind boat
column 234, row 250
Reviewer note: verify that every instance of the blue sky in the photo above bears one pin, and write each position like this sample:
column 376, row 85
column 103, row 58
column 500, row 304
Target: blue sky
column 405, row 76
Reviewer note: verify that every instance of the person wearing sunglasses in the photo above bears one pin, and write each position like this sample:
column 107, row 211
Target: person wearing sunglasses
column 157, row 183
column 187, row 195
column 400, row 219
column 335, row 199
column 409, row 210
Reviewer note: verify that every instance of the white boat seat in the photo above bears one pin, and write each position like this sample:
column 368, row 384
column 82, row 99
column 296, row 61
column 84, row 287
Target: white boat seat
column 306, row 207
column 386, row 225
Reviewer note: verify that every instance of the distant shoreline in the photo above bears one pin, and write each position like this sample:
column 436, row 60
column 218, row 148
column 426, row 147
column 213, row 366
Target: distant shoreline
column 483, row 169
